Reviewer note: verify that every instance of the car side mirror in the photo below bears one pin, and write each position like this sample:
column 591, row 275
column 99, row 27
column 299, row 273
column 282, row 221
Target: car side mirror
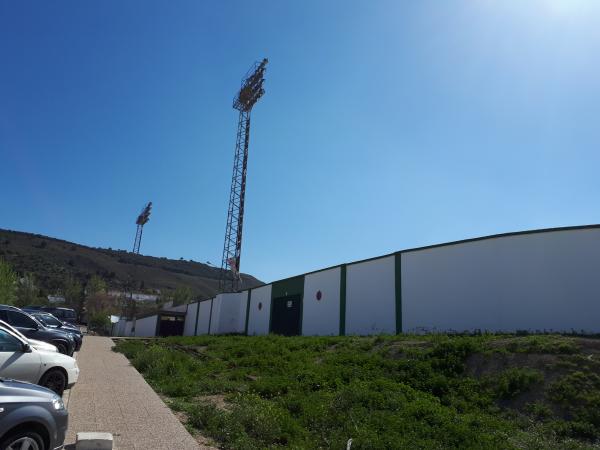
column 26, row 348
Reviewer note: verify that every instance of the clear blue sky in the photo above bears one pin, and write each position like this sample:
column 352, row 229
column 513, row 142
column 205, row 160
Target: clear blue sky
column 386, row 124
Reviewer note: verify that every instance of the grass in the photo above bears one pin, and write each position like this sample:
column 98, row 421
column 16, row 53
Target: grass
column 382, row 392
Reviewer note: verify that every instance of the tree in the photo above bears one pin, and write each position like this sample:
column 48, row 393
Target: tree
column 8, row 284
column 182, row 295
column 73, row 294
column 96, row 285
column 27, row 292
column 97, row 301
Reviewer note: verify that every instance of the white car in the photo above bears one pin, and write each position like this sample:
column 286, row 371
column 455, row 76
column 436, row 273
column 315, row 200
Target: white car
column 20, row 361
column 38, row 345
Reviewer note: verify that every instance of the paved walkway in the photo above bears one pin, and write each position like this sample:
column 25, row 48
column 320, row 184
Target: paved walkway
column 112, row 396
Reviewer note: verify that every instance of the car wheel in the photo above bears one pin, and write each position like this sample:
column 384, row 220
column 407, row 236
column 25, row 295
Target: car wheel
column 22, row 440
column 55, row 380
column 62, row 348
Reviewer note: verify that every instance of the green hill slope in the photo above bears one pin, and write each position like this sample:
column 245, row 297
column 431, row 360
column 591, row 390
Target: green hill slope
column 52, row 260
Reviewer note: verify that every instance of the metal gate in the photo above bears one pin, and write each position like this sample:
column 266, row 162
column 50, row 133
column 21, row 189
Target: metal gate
column 286, row 315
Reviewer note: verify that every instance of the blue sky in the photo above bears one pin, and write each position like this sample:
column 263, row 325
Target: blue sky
column 386, row 124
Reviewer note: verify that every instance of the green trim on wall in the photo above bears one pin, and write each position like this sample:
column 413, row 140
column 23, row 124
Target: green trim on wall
column 247, row 311
column 210, row 316
column 285, row 288
column 343, row 300
column 398, row 284
column 270, row 311
column 301, row 311
column 197, row 315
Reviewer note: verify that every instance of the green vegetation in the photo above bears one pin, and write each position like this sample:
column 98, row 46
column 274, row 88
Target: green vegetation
column 412, row 392
column 99, row 322
column 53, row 261
column 8, row 284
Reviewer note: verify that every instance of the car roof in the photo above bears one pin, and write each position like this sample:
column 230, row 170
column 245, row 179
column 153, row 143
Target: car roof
column 14, row 308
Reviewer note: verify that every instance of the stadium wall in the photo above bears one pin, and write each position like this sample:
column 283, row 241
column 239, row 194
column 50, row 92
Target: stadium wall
column 540, row 280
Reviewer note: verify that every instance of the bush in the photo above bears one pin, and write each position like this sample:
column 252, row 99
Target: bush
column 99, row 322
column 515, row 381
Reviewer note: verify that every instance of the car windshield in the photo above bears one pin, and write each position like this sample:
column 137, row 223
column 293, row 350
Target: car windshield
column 48, row 319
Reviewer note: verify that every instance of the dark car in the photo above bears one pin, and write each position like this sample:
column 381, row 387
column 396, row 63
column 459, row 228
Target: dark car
column 64, row 314
column 33, row 329
column 31, row 417
column 50, row 321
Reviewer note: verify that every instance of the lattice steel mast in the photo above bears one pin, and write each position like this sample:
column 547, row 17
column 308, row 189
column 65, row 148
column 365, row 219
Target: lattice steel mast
column 250, row 92
column 142, row 219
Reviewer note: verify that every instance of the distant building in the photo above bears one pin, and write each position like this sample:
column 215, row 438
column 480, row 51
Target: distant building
column 138, row 297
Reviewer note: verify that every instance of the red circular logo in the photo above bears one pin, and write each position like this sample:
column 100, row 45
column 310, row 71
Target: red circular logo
column 319, row 295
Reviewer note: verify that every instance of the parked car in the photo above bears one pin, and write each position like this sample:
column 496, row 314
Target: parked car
column 38, row 345
column 31, row 417
column 48, row 320
column 53, row 320
column 20, row 361
column 64, row 314
column 33, row 329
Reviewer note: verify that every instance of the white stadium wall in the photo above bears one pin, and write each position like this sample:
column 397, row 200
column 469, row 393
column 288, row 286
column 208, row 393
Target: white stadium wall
column 541, row 280
column 204, row 317
column 371, row 297
column 229, row 313
column 190, row 319
column 128, row 327
column 214, row 315
column 259, row 312
column 119, row 329
column 321, row 303
column 146, row 326
column 547, row 280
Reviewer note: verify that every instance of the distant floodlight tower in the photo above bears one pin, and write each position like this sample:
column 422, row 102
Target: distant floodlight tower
column 250, row 92
column 142, row 219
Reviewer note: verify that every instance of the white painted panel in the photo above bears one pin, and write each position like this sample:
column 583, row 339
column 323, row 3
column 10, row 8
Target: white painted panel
column 321, row 303
column 190, row 319
column 146, row 327
column 260, row 310
column 120, row 327
column 536, row 281
column 204, row 317
column 214, row 319
column 371, row 297
column 128, row 328
column 231, row 316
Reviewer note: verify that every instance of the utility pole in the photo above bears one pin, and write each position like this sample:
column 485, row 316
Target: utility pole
column 250, row 92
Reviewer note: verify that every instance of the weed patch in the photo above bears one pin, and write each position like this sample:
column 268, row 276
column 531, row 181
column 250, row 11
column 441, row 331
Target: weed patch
column 383, row 392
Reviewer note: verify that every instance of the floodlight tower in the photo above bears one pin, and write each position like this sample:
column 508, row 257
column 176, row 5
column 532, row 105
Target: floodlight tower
column 250, row 92
column 142, row 219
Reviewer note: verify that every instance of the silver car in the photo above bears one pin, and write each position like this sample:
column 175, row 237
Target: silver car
column 31, row 417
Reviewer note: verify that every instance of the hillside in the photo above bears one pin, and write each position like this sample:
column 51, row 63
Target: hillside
column 52, row 260
column 404, row 392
